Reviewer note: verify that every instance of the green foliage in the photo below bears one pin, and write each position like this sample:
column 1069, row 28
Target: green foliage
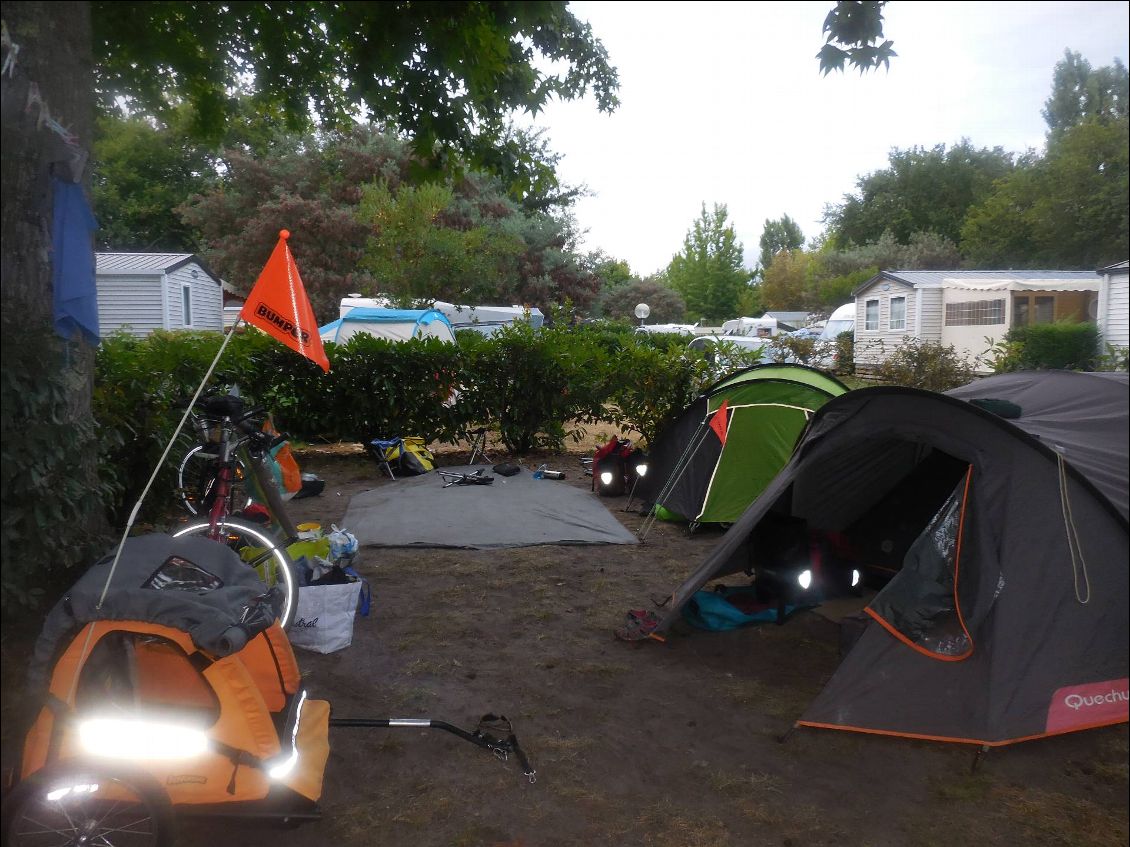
column 778, row 235
column 784, row 283
column 708, row 271
column 856, row 25
column 445, row 75
column 1081, row 94
column 141, row 174
column 138, row 386
column 1113, row 358
column 843, row 356
column 416, row 257
column 1063, row 346
column 360, row 224
column 666, row 304
column 930, row 365
column 751, row 301
column 1070, row 209
column 532, row 384
column 51, row 514
column 651, row 386
column 921, row 190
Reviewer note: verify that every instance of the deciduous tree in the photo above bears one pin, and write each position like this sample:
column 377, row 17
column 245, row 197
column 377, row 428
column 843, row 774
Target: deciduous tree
column 777, row 235
column 921, row 190
column 708, row 272
column 1081, row 94
column 666, row 304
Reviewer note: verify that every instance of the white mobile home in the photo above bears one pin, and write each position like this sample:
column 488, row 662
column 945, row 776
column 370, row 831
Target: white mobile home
column 1114, row 304
column 143, row 292
column 972, row 310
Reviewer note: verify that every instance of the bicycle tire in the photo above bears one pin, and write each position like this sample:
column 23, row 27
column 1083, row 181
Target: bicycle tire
column 274, row 565
column 196, row 477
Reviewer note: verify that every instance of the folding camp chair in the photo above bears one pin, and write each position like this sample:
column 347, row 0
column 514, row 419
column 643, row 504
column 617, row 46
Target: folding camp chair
column 380, row 448
column 479, row 445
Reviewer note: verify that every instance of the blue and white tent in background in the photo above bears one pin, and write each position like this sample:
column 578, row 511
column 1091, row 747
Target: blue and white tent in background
column 393, row 324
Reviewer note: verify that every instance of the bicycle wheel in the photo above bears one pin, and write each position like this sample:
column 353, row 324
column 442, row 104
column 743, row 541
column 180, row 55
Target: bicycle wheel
column 273, row 562
column 79, row 803
column 196, row 480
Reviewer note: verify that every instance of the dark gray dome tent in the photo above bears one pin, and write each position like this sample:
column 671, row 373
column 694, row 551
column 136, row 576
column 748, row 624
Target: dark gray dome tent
column 1002, row 511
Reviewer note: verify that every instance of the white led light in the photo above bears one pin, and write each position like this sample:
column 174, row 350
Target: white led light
column 641, row 470
column 854, row 578
column 606, row 477
column 136, row 739
column 804, row 579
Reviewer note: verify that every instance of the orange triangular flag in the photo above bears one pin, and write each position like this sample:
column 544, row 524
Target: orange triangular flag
column 718, row 423
column 278, row 305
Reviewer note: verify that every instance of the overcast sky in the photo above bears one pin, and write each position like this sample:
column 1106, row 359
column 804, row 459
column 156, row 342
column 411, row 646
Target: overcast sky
column 724, row 103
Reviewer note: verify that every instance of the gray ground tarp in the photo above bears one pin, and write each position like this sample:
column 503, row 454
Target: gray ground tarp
column 516, row 511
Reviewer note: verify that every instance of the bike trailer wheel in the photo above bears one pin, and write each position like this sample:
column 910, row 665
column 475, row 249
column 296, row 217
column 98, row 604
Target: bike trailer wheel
column 74, row 803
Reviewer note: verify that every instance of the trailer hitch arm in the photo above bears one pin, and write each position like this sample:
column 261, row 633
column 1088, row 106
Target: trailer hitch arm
column 502, row 744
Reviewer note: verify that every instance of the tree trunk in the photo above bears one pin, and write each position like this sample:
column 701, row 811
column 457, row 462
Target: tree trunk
column 47, row 93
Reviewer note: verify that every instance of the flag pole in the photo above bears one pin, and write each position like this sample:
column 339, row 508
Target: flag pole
column 160, row 462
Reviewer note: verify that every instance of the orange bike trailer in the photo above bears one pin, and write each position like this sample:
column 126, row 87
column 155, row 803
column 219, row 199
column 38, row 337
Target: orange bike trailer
column 173, row 686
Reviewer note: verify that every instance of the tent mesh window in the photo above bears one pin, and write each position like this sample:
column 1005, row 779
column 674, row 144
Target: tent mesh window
column 920, row 602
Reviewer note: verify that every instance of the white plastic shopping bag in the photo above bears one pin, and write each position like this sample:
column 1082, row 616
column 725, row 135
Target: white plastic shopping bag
column 324, row 619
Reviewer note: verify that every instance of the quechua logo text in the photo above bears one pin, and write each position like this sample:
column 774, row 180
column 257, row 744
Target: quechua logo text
column 297, row 333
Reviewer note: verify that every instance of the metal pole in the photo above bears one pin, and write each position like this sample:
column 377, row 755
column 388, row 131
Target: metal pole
column 160, row 462
column 676, row 475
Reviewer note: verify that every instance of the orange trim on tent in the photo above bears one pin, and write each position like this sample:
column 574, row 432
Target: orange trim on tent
column 955, row 740
column 889, row 627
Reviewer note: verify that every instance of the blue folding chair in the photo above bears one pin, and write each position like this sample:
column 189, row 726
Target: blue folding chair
column 380, row 448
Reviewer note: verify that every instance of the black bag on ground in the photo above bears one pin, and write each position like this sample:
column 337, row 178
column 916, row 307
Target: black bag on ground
column 507, row 469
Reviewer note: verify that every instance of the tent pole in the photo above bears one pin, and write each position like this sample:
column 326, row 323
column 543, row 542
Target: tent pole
column 676, row 474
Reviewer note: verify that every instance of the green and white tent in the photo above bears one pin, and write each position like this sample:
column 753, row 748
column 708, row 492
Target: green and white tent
column 696, row 475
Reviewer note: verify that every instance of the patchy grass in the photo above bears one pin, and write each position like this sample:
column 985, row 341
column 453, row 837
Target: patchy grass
column 665, row 824
column 1059, row 819
column 966, row 788
column 741, row 784
column 778, row 701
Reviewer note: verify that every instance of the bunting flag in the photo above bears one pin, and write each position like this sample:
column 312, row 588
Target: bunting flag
column 718, row 423
column 278, row 305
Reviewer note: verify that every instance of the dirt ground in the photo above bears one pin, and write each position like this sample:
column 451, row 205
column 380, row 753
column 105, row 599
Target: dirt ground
column 645, row 743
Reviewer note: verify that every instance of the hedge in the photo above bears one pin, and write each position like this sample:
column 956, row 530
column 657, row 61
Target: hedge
column 537, row 389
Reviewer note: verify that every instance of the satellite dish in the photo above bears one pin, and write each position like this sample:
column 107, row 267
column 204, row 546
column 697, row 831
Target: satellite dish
column 643, row 310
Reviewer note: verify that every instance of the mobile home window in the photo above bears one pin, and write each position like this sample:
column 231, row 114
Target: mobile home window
column 975, row 313
column 871, row 315
column 186, row 304
column 898, row 313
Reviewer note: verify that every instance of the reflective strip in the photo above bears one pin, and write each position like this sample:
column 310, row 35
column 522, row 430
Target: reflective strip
column 410, row 722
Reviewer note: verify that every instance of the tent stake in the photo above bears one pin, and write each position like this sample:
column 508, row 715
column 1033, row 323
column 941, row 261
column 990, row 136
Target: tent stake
column 781, row 739
column 981, row 751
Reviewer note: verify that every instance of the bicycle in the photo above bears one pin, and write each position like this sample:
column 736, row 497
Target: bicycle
column 230, row 457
